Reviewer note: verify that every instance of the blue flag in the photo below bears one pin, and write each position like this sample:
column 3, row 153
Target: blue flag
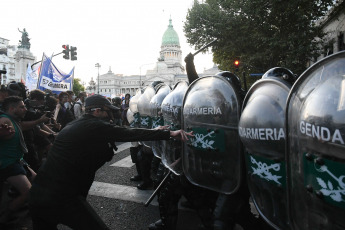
column 54, row 79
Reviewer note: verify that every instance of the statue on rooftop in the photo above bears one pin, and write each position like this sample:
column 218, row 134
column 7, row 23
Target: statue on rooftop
column 25, row 42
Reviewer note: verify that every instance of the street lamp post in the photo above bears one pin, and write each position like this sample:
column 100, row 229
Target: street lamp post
column 140, row 72
column 98, row 66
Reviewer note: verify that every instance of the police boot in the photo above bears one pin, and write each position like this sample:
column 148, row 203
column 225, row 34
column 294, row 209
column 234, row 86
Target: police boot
column 146, row 185
column 137, row 177
column 158, row 225
column 145, row 169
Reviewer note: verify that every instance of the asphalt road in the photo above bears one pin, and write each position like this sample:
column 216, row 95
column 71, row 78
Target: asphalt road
column 116, row 199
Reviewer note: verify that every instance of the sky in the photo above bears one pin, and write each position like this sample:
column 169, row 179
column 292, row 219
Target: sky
column 125, row 35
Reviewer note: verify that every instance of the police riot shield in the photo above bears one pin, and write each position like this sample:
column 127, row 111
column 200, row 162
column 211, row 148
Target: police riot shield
column 315, row 143
column 133, row 107
column 130, row 117
column 212, row 158
column 155, row 105
column 155, row 108
column 144, row 107
column 156, row 114
column 170, row 150
column 261, row 129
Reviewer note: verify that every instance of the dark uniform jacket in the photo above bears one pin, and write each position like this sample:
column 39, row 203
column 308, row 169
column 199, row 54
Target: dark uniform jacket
column 79, row 150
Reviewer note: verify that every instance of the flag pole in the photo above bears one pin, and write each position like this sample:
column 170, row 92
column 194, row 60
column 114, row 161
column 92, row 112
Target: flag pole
column 39, row 74
column 41, row 61
column 72, row 82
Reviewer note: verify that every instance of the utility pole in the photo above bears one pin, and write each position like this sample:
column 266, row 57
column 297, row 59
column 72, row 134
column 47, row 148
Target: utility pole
column 98, row 66
column 140, row 72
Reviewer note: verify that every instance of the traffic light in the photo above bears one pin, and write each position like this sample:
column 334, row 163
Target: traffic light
column 73, row 53
column 237, row 64
column 65, row 51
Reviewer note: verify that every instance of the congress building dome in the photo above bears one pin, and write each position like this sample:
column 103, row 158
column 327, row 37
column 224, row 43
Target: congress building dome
column 170, row 36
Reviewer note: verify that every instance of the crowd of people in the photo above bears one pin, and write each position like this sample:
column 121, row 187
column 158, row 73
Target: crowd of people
column 40, row 158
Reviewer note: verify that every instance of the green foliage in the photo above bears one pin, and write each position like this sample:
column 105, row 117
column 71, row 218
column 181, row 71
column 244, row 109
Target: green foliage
column 77, row 87
column 262, row 34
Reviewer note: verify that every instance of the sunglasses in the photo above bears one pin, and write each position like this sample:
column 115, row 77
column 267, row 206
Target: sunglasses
column 101, row 109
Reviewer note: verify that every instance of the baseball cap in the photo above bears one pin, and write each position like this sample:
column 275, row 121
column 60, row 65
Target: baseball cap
column 98, row 101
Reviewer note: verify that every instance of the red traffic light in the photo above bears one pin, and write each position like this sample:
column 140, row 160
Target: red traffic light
column 237, row 63
column 65, row 47
column 65, row 51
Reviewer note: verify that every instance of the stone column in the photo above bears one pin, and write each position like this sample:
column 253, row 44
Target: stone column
column 23, row 57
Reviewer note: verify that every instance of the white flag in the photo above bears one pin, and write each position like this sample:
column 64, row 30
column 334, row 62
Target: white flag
column 31, row 77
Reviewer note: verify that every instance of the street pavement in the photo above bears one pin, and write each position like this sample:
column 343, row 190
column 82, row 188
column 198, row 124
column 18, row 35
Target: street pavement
column 116, row 199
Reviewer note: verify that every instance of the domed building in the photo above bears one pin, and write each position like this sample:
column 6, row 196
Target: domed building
column 168, row 68
column 170, row 60
column 171, row 50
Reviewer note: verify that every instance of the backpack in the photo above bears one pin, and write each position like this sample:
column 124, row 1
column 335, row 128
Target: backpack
column 64, row 117
column 72, row 108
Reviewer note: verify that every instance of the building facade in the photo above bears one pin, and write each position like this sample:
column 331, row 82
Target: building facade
column 333, row 24
column 7, row 61
column 14, row 61
column 168, row 69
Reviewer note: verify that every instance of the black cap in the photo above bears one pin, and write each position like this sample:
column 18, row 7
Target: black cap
column 95, row 101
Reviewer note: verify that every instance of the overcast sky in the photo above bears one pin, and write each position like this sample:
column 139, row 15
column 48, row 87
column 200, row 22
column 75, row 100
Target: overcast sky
column 123, row 34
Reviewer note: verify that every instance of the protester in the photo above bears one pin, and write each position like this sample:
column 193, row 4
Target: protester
column 58, row 194
column 3, row 94
column 117, row 103
column 33, row 127
column 125, row 107
column 70, row 101
column 79, row 108
column 12, row 148
column 63, row 115
column 17, row 89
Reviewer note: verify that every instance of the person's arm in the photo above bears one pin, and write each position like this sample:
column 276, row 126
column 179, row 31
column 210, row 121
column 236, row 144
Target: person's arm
column 44, row 133
column 58, row 107
column 123, row 134
column 47, row 130
column 26, row 125
column 190, row 68
column 55, row 125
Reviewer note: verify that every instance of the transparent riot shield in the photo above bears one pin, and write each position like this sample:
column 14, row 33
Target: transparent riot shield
column 144, row 107
column 130, row 117
column 155, row 106
column 156, row 114
column 170, row 150
column 261, row 129
column 315, row 121
column 212, row 159
column 133, row 107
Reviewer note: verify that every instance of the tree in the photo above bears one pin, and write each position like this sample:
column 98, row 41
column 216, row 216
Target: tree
column 262, row 34
column 77, row 87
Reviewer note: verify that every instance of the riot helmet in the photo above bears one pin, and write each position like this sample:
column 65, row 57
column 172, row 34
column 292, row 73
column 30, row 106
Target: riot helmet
column 282, row 73
column 235, row 81
column 157, row 84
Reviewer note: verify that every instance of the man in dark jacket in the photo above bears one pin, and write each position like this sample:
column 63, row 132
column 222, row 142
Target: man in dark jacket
column 58, row 194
